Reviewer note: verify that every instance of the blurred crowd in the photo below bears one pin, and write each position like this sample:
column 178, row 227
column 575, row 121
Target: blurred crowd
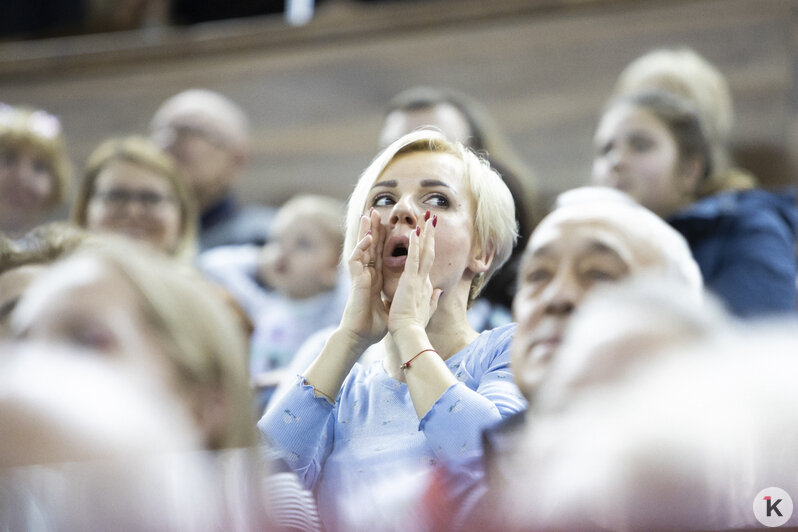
column 437, row 353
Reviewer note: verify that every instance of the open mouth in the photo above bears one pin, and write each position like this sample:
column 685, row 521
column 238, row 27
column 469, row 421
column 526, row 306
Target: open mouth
column 395, row 253
column 399, row 251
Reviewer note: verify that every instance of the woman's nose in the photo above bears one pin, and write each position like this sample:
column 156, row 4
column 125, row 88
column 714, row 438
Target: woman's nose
column 404, row 212
column 616, row 157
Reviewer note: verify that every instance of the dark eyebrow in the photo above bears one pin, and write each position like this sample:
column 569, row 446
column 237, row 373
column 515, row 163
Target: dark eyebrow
column 424, row 183
column 433, row 183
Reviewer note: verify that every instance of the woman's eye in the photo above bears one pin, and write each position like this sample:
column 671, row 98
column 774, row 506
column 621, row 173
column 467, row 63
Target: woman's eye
column 8, row 158
column 383, row 200
column 638, row 143
column 304, row 244
column 438, row 200
column 41, row 166
column 93, row 337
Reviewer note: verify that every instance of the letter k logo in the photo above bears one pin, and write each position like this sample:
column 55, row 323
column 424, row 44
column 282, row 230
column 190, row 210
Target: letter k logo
column 772, row 506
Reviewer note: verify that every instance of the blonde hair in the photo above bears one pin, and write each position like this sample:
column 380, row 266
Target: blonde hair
column 495, row 228
column 203, row 338
column 685, row 73
column 325, row 211
column 23, row 126
column 142, row 152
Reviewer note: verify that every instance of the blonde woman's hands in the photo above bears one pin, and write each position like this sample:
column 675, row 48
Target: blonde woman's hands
column 415, row 299
column 366, row 314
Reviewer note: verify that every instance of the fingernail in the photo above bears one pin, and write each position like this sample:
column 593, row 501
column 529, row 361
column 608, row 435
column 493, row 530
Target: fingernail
column 434, row 220
column 371, row 210
column 368, row 232
column 426, row 216
column 418, row 230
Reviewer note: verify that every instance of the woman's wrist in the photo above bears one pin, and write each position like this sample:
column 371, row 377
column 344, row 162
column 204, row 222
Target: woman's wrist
column 350, row 342
column 410, row 340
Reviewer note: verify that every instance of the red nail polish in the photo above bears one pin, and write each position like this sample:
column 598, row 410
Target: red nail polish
column 435, row 220
column 426, row 216
column 418, row 230
column 368, row 232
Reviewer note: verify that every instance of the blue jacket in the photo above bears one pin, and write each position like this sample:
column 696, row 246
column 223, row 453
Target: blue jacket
column 744, row 243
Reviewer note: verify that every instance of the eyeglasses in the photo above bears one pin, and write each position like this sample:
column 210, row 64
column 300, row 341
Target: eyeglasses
column 119, row 197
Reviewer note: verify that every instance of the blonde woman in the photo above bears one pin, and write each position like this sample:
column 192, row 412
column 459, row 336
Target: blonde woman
column 34, row 168
column 428, row 224
column 132, row 187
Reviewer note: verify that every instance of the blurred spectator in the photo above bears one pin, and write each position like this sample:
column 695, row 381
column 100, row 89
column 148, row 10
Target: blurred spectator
column 164, row 325
column 291, row 287
column 139, row 307
column 686, row 74
column 34, row 168
column 593, row 237
column 208, row 134
column 132, row 188
column 653, row 145
column 656, row 416
column 22, row 261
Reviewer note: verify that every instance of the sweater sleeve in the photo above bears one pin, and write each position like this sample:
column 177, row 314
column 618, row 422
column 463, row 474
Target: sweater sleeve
column 300, row 426
column 453, row 426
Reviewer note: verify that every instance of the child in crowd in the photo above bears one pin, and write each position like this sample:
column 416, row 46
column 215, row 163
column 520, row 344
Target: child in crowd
column 290, row 287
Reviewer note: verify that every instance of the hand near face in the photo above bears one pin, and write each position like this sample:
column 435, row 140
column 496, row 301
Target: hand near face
column 366, row 314
column 415, row 299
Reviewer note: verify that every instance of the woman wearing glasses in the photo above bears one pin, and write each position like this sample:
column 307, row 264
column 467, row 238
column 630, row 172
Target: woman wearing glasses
column 132, row 187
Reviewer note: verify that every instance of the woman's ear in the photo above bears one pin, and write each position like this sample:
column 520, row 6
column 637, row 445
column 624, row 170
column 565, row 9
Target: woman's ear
column 691, row 176
column 481, row 260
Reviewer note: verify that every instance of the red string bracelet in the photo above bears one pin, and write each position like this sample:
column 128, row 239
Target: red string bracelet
column 406, row 365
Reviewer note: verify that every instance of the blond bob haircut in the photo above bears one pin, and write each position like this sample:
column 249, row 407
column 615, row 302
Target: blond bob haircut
column 495, row 228
column 24, row 127
column 201, row 335
column 658, row 247
column 142, row 152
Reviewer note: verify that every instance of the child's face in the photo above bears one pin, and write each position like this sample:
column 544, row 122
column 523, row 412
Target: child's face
column 300, row 260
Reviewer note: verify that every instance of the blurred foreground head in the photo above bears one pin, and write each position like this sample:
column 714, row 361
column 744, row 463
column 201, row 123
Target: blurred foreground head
column 593, row 237
column 126, row 302
column 658, row 413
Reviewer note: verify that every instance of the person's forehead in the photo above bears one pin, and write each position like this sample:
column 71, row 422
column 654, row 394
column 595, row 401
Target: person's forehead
column 561, row 235
column 298, row 223
column 424, row 165
column 123, row 172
